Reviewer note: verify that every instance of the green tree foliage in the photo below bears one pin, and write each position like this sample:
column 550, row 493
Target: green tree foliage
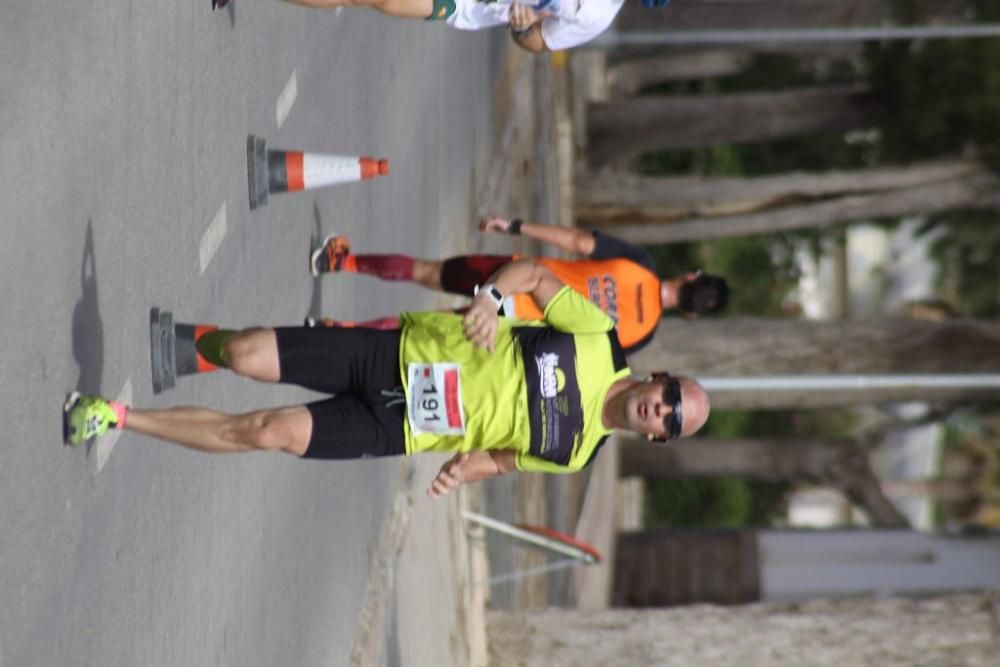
column 939, row 98
column 730, row 503
column 762, row 272
column 774, row 71
column 719, row 503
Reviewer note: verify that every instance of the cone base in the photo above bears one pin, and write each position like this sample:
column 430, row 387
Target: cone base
column 161, row 349
column 257, row 172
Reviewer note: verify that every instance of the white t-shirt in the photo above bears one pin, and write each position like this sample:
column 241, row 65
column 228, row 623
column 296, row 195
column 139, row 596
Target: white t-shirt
column 571, row 22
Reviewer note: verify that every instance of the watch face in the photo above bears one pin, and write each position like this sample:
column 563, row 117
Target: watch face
column 493, row 293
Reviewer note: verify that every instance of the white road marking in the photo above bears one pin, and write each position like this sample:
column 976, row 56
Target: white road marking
column 102, row 450
column 212, row 239
column 286, row 100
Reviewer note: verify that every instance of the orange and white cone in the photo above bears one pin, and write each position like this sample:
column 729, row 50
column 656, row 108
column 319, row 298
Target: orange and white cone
column 272, row 171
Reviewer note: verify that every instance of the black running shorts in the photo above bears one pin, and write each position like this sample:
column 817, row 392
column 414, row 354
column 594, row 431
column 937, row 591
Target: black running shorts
column 461, row 275
column 360, row 367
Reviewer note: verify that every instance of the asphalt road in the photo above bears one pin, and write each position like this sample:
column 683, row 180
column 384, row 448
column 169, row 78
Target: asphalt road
column 122, row 161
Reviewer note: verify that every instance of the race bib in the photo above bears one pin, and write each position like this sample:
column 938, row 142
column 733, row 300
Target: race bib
column 435, row 404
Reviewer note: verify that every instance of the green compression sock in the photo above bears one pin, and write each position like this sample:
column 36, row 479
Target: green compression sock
column 211, row 345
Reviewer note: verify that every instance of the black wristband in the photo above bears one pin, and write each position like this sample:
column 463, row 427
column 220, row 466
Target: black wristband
column 514, row 228
column 522, row 32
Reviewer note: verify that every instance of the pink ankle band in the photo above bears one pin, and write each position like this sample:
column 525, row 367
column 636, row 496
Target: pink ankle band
column 121, row 411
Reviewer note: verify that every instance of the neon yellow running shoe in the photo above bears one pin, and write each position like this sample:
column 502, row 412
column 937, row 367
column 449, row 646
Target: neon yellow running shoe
column 85, row 417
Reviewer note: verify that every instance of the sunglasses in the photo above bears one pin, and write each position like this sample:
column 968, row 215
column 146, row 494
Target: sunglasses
column 673, row 422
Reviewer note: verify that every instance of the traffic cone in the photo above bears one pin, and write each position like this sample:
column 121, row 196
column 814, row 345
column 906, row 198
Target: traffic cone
column 291, row 171
column 174, row 349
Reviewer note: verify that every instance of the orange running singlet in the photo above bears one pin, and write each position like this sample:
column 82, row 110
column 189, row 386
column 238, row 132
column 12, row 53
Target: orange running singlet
column 628, row 292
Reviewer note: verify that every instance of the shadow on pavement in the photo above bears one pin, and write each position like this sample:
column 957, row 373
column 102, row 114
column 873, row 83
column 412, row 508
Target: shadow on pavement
column 88, row 330
column 316, row 298
column 229, row 6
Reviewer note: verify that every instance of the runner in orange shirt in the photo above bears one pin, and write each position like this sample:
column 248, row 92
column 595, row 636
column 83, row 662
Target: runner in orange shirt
column 617, row 276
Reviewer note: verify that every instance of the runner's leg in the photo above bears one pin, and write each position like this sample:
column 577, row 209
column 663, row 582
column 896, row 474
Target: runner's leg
column 414, row 9
column 363, row 364
column 394, row 268
column 357, row 361
column 382, row 323
column 343, row 428
column 359, row 366
column 455, row 275
column 461, row 275
column 283, row 429
column 365, row 421
column 253, row 353
column 349, row 427
column 427, row 273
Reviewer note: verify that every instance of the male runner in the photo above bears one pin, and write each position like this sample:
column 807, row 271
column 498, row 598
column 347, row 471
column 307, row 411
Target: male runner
column 504, row 395
column 535, row 25
column 618, row 277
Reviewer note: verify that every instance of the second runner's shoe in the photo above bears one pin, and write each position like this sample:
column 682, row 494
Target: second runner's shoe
column 330, row 255
column 85, row 417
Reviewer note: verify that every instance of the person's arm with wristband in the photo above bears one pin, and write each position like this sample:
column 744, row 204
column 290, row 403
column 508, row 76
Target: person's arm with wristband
column 566, row 238
column 526, row 27
column 523, row 276
column 471, row 467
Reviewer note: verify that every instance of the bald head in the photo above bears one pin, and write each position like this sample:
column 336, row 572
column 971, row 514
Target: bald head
column 695, row 405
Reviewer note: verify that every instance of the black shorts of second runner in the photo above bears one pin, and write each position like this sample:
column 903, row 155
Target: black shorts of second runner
column 360, row 367
column 461, row 275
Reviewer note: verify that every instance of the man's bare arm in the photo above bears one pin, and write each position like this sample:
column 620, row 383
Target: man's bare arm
column 526, row 27
column 566, row 238
column 521, row 277
column 471, row 467
column 524, row 276
column 530, row 39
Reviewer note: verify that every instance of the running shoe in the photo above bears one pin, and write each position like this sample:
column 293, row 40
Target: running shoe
column 330, row 255
column 85, row 417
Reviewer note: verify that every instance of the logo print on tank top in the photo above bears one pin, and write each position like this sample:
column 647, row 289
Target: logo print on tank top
column 555, row 411
column 611, row 296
